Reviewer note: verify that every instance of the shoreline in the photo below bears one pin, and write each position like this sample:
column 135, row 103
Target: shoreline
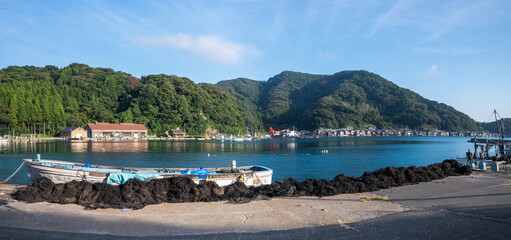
column 484, row 193
column 101, row 140
column 84, row 140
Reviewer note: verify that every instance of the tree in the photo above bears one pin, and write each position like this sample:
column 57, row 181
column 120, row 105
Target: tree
column 126, row 116
column 13, row 111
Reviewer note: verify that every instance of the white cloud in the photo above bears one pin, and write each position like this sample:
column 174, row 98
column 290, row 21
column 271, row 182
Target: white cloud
column 432, row 71
column 450, row 50
column 387, row 17
column 207, row 47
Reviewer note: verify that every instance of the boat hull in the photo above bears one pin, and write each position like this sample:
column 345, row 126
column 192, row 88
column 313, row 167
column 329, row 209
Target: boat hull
column 63, row 172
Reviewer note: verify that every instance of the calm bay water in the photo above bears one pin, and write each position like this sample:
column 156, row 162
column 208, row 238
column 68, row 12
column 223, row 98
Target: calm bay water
column 298, row 158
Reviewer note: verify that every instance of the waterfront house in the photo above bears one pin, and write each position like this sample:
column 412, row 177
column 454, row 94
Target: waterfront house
column 341, row 133
column 432, row 133
column 176, row 133
column 304, row 133
column 102, row 129
column 73, row 132
column 407, row 132
column 443, row 133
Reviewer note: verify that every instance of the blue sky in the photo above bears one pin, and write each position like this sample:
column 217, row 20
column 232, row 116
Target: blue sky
column 454, row 52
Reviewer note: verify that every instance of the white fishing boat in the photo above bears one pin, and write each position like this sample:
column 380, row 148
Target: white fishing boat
column 238, row 139
column 62, row 172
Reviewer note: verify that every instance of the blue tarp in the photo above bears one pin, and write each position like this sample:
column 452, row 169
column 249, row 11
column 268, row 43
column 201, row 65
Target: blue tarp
column 202, row 172
column 121, row 178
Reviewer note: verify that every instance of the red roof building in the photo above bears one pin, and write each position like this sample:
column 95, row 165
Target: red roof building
column 102, row 129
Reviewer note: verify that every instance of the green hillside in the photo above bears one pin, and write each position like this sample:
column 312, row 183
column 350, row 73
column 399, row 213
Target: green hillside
column 245, row 94
column 350, row 98
column 48, row 99
column 492, row 126
column 280, row 103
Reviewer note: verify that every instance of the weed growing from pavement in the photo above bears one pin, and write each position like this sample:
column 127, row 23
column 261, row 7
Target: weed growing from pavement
column 380, row 198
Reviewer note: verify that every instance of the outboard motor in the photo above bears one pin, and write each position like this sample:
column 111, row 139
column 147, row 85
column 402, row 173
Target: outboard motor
column 233, row 166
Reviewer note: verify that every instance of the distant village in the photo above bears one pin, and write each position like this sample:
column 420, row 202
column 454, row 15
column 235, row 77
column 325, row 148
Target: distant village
column 394, row 132
column 102, row 130
column 131, row 130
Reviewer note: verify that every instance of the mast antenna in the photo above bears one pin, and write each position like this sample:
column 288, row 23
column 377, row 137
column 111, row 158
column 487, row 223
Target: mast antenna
column 500, row 130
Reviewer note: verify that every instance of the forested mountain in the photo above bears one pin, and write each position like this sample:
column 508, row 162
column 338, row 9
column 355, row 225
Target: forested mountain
column 48, row 99
column 350, row 98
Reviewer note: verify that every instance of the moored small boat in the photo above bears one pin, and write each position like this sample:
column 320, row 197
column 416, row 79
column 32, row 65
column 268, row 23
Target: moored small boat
column 62, row 172
column 238, row 139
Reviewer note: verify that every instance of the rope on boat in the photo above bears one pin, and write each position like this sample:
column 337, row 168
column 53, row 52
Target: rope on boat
column 12, row 175
column 260, row 182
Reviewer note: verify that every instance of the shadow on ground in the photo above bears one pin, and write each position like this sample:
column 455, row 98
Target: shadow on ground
column 413, row 224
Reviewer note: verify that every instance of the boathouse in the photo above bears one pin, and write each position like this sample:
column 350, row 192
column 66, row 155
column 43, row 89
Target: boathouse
column 102, row 129
column 176, row 133
column 73, row 132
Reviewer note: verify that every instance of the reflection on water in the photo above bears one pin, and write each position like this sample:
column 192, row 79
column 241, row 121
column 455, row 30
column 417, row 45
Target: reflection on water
column 32, row 147
column 66, row 146
column 132, row 146
column 139, row 146
column 202, row 146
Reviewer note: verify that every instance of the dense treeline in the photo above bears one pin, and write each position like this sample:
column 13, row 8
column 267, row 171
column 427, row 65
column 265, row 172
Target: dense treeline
column 350, row 98
column 492, row 126
column 245, row 94
column 46, row 100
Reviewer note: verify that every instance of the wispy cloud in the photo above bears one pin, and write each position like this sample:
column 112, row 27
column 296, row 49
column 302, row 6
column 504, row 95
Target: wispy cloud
column 326, row 56
column 211, row 48
column 452, row 50
column 432, row 71
column 121, row 20
column 387, row 17
column 456, row 16
column 16, row 18
column 432, row 21
column 348, row 16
